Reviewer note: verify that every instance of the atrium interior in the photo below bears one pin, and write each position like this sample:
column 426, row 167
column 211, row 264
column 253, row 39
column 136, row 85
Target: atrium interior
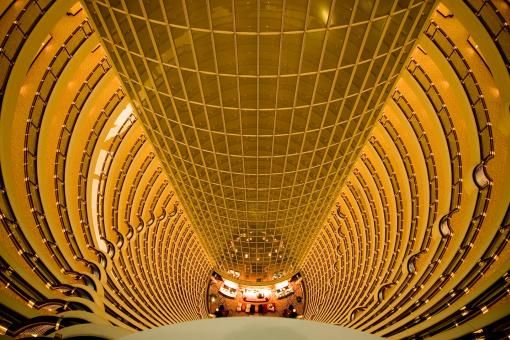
column 337, row 161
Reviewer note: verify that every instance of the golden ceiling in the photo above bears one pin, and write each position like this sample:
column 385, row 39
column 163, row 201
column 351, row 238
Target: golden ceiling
column 258, row 109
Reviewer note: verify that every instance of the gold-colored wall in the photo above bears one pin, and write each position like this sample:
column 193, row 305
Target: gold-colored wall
column 418, row 245
column 91, row 230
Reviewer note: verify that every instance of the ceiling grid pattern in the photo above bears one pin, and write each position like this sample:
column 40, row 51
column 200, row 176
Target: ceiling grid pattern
column 253, row 140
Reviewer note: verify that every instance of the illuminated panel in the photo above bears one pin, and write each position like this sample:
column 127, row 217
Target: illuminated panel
column 258, row 109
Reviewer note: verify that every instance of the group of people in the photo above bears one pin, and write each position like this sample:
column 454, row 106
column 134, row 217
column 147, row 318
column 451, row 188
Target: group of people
column 289, row 312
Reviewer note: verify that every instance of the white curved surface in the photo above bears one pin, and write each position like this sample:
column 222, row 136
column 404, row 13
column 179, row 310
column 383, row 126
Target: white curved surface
column 251, row 328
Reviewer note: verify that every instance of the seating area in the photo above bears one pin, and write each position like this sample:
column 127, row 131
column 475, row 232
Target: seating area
column 226, row 298
column 262, row 308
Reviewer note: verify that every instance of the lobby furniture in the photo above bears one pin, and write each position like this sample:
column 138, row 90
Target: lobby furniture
column 228, row 292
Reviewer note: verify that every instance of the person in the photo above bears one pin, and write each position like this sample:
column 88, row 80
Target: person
column 217, row 313
column 220, row 311
column 290, row 312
